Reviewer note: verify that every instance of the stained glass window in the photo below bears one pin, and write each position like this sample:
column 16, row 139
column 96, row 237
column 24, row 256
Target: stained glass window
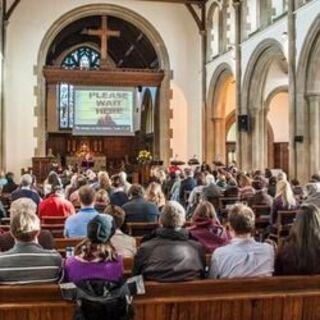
column 81, row 58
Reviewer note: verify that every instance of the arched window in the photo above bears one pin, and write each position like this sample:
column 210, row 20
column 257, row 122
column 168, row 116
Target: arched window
column 80, row 58
column 214, row 31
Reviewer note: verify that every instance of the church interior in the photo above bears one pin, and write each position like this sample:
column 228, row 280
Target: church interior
column 117, row 93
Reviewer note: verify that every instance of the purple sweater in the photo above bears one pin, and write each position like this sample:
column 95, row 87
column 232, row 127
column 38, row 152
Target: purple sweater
column 76, row 270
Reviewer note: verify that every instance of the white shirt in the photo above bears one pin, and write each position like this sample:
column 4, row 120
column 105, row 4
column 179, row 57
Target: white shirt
column 243, row 258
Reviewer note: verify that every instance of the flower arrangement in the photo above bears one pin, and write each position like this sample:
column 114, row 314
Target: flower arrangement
column 144, row 156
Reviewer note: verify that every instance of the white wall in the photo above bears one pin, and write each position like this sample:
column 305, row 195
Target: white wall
column 27, row 27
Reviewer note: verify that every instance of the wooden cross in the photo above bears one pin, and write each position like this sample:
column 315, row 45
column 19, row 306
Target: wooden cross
column 104, row 33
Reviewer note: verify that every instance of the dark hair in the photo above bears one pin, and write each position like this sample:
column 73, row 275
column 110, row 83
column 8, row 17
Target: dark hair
column 136, row 190
column 295, row 182
column 258, row 184
column 53, row 178
column 81, row 181
column 302, row 248
column 273, row 181
column 241, row 219
column 9, row 176
column 117, row 213
column 116, row 181
column 87, row 195
column 315, row 177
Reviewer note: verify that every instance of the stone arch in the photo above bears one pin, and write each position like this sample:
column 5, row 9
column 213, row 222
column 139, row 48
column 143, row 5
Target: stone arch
column 215, row 116
column 254, row 143
column 163, row 137
column 307, row 114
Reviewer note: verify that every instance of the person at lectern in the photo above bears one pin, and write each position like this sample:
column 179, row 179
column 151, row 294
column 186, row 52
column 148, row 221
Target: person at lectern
column 106, row 121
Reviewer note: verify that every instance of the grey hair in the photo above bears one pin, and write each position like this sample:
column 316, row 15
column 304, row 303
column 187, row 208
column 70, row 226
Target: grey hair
column 173, row 215
column 210, row 179
column 22, row 204
column 26, row 180
column 312, row 188
column 122, row 176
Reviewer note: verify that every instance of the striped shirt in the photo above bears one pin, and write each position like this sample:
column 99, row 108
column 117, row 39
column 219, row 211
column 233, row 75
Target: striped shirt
column 28, row 262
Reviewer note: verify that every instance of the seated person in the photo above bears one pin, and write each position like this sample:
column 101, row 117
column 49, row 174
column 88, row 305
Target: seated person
column 25, row 190
column 55, row 205
column 27, row 261
column 168, row 254
column 118, row 197
column 74, row 196
column 300, row 252
column 102, row 200
column 284, row 200
column 76, row 225
column 187, row 184
column 243, row 257
column 232, row 190
column 95, row 257
column 155, row 195
column 125, row 245
column 10, row 186
column 45, row 237
column 245, row 187
column 206, row 227
column 261, row 197
column 138, row 209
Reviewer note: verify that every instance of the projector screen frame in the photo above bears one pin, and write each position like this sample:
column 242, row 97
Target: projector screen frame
column 79, row 131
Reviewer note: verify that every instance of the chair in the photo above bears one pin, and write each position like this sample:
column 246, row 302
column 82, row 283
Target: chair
column 5, row 221
column 57, row 230
column 53, row 220
column 262, row 219
column 225, row 203
column 285, row 220
column 140, row 228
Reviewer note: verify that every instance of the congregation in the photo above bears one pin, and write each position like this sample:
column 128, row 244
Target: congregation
column 192, row 224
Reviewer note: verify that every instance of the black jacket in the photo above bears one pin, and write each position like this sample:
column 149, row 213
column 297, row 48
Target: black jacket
column 169, row 255
column 140, row 210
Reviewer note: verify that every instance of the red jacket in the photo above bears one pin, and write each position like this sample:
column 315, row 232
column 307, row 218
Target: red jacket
column 55, row 205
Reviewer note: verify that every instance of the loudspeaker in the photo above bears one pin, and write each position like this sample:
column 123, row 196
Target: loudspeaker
column 298, row 139
column 243, row 123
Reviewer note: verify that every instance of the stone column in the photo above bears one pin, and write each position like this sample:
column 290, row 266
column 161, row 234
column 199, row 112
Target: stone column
column 219, row 139
column 314, row 132
column 238, row 76
column 2, row 110
column 293, row 152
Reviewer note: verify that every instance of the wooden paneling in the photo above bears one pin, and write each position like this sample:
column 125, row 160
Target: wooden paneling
column 114, row 148
column 104, row 77
column 281, row 156
column 282, row 298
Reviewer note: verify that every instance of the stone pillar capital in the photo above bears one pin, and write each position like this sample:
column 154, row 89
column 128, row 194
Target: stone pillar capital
column 313, row 97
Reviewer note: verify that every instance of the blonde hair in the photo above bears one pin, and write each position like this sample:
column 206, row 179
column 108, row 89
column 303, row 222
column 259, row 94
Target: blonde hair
column 284, row 191
column 104, row 180
column 25, row 225
column 22, row 204
column 102, row 196
column 154, row 194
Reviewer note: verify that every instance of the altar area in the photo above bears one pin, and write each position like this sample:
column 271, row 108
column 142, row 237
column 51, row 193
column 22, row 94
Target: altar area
column 98, row 162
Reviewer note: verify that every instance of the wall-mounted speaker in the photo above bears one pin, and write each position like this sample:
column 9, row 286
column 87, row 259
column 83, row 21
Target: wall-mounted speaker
column 243, row 123
column 298, row 139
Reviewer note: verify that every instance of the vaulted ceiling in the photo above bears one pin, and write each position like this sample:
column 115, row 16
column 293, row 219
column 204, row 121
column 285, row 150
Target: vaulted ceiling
column 131, row 50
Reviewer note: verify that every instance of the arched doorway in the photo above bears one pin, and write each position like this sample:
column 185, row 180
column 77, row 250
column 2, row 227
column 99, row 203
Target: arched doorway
column 268, row 57
column 221, row 103
column 143, row 31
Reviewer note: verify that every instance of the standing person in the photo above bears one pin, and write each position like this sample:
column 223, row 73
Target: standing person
column 243, row 257
column 300, row 252
column 188, row 184
column 168, row 254
column 25, row 190
column 76, row 225
column 138, row 209
column 55, row 205
column 38, row 264
column 95, row 257
column 124, row 182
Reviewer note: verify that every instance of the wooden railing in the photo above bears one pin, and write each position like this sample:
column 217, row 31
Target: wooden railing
column 278, row 298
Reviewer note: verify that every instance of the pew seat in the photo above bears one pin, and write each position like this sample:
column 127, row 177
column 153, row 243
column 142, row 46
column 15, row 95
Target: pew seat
column 278, row 298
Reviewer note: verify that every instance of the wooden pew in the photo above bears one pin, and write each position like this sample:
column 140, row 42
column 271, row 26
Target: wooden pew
column 279, row 298
column 53, row 220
